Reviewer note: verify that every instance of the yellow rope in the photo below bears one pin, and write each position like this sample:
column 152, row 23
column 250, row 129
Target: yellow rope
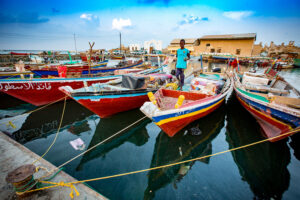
column 71, row 184
column 54, row 184
column 190, row 160
column 65, row 163
column 60, row 123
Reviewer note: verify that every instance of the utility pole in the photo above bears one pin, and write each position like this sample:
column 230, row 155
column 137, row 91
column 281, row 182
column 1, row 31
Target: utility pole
column 120, row 43
column 75, row 43
column 90, row 57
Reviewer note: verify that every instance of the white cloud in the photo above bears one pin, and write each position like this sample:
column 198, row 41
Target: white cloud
column 237, row 15
column 119, row 24
column 88, row 17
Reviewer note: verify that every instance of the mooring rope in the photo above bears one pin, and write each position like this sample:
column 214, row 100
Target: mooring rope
column 73, row 189
column 96, row 145
column 54, row 140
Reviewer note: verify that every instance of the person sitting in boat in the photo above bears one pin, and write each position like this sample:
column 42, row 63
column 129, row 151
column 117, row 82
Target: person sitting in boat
column 182, row 55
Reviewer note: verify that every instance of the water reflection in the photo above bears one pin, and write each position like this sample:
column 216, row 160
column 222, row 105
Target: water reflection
column 137, row 135
column 194, row 141
column 45, row 122
column 263, row 166
column 295, row 144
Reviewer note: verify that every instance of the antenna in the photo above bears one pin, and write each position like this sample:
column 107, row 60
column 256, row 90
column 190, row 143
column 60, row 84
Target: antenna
column 75, row 43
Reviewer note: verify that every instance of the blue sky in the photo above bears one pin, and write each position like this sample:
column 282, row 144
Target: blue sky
column 48, row 24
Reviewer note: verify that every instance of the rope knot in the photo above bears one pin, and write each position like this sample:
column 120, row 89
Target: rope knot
column 62, row 184
column 71, row 186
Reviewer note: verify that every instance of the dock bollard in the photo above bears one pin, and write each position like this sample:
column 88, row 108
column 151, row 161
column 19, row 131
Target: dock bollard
column 22, row 179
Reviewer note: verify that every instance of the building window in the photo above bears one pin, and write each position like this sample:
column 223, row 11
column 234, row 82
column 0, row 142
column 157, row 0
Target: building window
column 238, row 52
column 219, row 50
column 212, row 51
column 207, row 44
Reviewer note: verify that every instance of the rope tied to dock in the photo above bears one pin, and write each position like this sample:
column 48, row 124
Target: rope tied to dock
column 58, row 130
column 71, row 184
column 63, row 184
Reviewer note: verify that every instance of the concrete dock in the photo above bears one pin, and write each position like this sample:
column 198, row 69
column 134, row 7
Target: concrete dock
column 14, row 155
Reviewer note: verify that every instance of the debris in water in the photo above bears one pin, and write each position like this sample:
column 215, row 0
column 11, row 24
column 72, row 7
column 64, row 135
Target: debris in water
column 195, row 131
column 180, row 151
column 77, row 144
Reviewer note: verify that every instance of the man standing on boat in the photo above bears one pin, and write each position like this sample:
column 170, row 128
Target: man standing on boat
column 182, row 56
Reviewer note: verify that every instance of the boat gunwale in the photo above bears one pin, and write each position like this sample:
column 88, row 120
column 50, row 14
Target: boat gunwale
column 216, row 98
column 58, row 79
column 238, row 85
column 110, row 93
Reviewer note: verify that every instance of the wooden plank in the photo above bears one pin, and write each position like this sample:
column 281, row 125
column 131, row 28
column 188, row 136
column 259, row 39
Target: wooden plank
column 291, row 102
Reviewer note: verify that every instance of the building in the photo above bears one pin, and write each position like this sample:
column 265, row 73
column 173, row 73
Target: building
column 289, row 50
column 234, row 44
column 153, row 46
column 134, row 47
column 189, row 44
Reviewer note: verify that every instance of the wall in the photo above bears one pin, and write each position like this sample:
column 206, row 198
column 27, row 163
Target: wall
column 156, row 44
column 173, row 48
column 257, row 49
column 134, row 47
column 226, row 46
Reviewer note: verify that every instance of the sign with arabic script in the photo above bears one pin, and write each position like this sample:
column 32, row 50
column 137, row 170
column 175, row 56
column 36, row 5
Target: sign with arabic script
column 24, row 86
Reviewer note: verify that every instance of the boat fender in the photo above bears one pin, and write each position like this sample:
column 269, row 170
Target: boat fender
column 179, row 101
column 152, row 98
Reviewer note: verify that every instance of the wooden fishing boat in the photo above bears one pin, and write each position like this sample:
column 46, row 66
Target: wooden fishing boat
column 42, row 91
column 271, row 100
column 287, row 66
column 100, row 64
column 115, row 57
column 93, row 65
column 84, row 69
column 19, row 54
column 15, row 74
column 106, row 99
column 171, row 117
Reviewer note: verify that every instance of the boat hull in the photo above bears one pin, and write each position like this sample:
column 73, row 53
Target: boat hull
column 44, row 91
column 105, row 106
column 174, row 126
column 272, row 121
column 84, row 70
column 5, row 75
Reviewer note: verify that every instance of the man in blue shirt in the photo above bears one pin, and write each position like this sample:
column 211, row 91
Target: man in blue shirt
column 182, row 56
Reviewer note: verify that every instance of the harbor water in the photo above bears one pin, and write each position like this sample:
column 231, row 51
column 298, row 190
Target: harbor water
column 264, row 171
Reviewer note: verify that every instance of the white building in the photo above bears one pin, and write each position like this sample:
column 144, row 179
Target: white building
column 134, row 47
column 151, row 45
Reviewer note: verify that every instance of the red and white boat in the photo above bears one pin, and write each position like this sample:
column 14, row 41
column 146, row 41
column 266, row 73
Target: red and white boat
column 106, row 100
column 172, row 110
column 271, row 100
column 43, row 91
